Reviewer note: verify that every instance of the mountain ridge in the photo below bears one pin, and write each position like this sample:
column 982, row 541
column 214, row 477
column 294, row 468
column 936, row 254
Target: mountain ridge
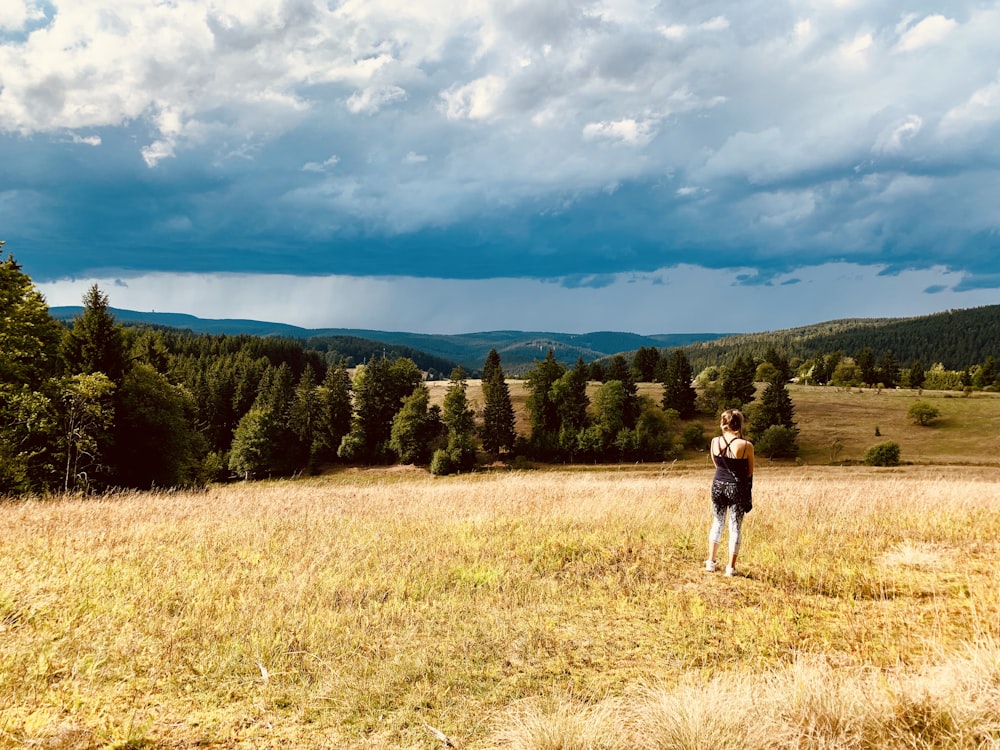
column 518, row 349
column 954, row 338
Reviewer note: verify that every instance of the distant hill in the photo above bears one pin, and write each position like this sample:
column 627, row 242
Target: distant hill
column 518, row 349
column 955, row 338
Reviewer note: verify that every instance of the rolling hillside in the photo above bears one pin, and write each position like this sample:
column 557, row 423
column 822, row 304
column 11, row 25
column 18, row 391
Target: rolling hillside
column 518, row 349
column 955, row 338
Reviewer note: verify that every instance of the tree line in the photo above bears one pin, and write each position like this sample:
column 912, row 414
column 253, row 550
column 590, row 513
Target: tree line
column 954, row 340
column 95, row 405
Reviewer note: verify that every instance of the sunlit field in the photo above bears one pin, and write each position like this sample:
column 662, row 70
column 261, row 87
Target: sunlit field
column 539, row 609
column 855, row 417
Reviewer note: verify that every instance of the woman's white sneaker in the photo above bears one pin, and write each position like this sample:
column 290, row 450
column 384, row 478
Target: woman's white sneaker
column 711, row 566
column 730, row 572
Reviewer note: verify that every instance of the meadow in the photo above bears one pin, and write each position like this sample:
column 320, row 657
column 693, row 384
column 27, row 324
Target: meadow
column 557, row 608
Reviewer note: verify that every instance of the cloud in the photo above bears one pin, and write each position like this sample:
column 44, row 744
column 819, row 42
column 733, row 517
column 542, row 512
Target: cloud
column 628, row 130
column 89, row 140
column 477, row 100
column 16, row 14
column 895, row 137
column 982, row 108
column 323, row 166
column 371, row 100
column 929, row 31
column 518, row 138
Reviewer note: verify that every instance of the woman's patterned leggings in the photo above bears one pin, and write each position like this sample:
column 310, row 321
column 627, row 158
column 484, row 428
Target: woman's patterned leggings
column 735, row 524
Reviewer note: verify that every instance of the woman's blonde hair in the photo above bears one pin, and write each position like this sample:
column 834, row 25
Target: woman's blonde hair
column 733, row 420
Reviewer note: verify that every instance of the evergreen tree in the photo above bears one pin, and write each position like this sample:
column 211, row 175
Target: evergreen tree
column 597, row 371
column 95, row 343
column 678, row 392
column 543, row 412
column 335, row 412
column 305, row 418
column 865, row 360
column 888, row 370
column 986, row 374
column 779, row 362
column 820, row 374
column 619, row 370
column 264, row 441
column 458, row 418
column 29, row 336
column 736, row 384
column 29, row 341
column 917, row 375
column 774, row 407
column 773, row 417
column 644, row 364
column 498, row 412
column 379, row 389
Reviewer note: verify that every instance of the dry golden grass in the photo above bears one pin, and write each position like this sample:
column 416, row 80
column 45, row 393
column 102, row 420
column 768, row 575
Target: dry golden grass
column 850, row 416
column 548, row 609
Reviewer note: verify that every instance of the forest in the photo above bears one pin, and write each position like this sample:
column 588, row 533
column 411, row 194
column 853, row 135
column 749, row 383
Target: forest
column 95, row 405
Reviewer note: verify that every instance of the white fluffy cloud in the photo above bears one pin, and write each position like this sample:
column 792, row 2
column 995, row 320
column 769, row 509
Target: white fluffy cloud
column 722, row 132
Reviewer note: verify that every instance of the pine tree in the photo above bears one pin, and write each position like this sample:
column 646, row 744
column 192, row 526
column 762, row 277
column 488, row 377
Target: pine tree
column 644, row 364
column 497, row 432
column 29, row 342
column 620, row 371
column 678, row 392
column 543, row 412
column 772, row 421
column 335, row 412
column 888, row 370
column 865, row 360
column 774, row 407
column 95, row 343
column 29, row 336
column 737, row 383
column 264, row 441
column 459, row 420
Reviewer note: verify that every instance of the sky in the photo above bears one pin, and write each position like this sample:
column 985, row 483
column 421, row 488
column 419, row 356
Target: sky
column 546, row 165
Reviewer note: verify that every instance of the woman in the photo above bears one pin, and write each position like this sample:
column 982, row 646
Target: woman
column 731, row 488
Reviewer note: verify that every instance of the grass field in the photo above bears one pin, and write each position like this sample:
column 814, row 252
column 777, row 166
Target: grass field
column 551, row 609
column 825, row 414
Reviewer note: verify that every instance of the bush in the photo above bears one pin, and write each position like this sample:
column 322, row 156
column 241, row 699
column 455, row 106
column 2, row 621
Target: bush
column 441, row 463
column 778, row 442
column 693, row 437
column 883, row 454
column 923, row 413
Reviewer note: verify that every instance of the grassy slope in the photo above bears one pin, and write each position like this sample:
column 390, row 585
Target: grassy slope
column 529, row 610
column 824, row 414
column 549, row 609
